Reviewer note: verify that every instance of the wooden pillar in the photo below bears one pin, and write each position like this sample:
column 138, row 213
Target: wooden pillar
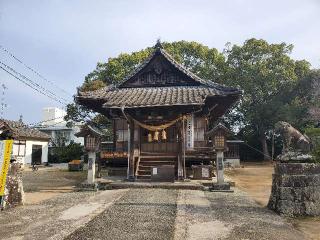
column 114, row 135
column 131, row 150
column 99, row 166
column 180, row 150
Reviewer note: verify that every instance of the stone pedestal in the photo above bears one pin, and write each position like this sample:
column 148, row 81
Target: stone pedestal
column 296, row 189
column 220, row 186
column 220, row 167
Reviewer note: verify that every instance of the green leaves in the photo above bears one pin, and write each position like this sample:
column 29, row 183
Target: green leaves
column 267, row 75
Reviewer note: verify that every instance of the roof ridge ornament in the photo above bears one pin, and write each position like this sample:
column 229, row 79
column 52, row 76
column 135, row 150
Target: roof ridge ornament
column 158, row 45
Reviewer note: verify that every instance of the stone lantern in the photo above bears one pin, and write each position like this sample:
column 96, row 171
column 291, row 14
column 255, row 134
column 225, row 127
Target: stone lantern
column 92, row 140
column 218, row 135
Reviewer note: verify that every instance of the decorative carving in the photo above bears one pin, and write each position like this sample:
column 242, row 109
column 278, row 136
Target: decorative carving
column 296, row 146
column 159, row 73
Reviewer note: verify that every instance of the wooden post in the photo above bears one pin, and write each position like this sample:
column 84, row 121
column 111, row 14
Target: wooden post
column 131, row 151
column 114, row 135
column 180, row 151
column 91, row 167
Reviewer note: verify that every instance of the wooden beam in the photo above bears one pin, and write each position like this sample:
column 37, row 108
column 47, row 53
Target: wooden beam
column 180, row 150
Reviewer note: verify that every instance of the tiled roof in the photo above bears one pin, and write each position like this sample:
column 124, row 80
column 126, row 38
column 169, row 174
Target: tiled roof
column 151, row 96
column 161, row 96
column 90, row 129
column 19, row 130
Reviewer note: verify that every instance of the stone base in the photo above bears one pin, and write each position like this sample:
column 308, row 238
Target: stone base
column 85, row 186
column 296, row 189
column 220, row 186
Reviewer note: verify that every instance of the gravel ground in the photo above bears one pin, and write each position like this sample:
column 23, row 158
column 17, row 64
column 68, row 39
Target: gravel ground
column 232, row 216
column 50, row 178
column 139, row 214
column 55, row 218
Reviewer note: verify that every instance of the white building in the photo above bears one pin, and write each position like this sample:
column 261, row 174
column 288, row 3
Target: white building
column 55, row 126
column 53, row 116
column 30, row 145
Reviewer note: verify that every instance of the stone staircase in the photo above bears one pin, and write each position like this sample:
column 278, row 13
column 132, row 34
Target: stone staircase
column 145, row 164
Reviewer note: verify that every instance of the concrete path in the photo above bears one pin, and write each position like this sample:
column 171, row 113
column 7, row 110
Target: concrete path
column 232, row 216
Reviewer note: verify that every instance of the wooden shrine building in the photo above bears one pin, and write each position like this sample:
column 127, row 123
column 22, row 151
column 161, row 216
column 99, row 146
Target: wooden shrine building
column 160, row 113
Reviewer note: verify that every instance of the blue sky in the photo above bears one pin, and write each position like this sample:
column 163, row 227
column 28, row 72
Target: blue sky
column 63, row 40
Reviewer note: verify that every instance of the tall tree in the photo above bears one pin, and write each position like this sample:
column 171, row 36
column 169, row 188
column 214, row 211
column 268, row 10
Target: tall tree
column 267, row 74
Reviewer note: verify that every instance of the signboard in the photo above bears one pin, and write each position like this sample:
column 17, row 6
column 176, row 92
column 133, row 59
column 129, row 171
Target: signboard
column 205, row 172
column 154, row 171
column 5, row 155
column 190, row 132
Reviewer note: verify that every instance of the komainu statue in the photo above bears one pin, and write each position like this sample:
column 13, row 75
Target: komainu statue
column 296, row 146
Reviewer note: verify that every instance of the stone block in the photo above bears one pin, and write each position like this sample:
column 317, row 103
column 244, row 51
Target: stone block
column 296, row 189
column 312, row 208
column 297, row 168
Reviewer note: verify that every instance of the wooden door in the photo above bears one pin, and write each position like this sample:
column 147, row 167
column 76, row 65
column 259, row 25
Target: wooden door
column 36, row 154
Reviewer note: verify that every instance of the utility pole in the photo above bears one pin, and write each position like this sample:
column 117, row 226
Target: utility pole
column 3, row 104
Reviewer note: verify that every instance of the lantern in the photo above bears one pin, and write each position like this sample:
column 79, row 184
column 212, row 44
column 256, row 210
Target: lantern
column 219, row 140
column 92, row 143
column 156, row 136
column 219, row 136
column 164, row 135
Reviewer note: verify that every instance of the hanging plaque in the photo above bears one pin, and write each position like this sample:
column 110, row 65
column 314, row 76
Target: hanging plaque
column 190, row 132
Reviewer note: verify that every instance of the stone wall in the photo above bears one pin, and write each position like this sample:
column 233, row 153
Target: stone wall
column 296, row 189
column 14, row 194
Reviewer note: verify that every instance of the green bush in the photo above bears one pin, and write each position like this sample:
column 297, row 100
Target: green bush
column 65, row 154
column 314, row 135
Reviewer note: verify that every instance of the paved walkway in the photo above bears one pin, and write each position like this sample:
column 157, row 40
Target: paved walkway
column 146, row 214
column 232, row 216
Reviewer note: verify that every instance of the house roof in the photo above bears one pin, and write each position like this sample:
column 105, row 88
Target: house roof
column 132, row 97
column 18, row 130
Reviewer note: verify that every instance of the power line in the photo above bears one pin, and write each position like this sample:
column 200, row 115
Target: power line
column 34, row 71
column 3, row 104
column 31, row 86
column 32, row 82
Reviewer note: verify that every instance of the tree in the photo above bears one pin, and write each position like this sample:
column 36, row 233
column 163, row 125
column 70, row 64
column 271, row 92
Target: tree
column 268, row 76
column 63, row 154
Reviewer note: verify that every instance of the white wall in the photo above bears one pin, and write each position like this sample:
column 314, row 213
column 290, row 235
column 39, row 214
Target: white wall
column 28, row 156
column 53, row 116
